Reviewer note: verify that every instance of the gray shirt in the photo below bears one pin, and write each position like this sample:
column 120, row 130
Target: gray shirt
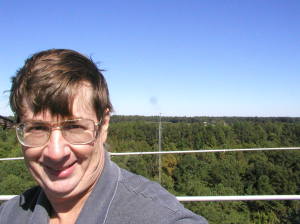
column 118, row 197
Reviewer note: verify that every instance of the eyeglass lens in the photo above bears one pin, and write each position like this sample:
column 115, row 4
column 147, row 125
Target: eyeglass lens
column 80, row 131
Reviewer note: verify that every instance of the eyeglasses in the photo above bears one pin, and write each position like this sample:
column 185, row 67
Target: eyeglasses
column 37, row 133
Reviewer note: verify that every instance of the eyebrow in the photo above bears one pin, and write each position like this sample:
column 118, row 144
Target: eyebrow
column 43, row 121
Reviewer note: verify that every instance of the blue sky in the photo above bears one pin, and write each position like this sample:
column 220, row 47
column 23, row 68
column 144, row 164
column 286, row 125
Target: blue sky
column 178, row 58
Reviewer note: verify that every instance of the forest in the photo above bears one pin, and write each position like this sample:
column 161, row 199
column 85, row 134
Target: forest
column 199, row 174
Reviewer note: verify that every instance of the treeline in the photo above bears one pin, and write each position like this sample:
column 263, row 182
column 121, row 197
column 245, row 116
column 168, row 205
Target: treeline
column 235, row 173
column 186, row 133
column 229, row 120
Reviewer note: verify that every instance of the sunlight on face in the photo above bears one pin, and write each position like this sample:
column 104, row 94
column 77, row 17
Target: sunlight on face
column 64, row 170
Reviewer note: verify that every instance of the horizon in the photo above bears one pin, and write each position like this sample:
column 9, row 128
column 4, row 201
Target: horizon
column 120, row 115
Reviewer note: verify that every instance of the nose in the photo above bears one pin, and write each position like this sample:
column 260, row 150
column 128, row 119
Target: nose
column 57, row 148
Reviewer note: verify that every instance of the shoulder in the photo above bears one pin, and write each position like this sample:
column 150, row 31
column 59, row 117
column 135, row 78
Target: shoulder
column 19, row 206
column 139, row 200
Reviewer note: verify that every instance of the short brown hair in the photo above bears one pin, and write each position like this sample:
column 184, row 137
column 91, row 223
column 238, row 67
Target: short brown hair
column 49, row 80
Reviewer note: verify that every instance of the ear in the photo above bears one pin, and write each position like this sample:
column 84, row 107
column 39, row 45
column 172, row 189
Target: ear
column 104, row 125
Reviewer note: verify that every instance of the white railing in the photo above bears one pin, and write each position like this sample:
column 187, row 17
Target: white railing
column 6, row 197
column 239, row 198
column 184, row 152
column 203, row 151
column 215, row 198
column 200, row 198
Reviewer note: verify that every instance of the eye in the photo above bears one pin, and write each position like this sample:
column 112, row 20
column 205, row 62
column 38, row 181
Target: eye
column 73, row 126
column 36, row 128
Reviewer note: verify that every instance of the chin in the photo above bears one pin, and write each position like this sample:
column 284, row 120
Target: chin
column 59, row 189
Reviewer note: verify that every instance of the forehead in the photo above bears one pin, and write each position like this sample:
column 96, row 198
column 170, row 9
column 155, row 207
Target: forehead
column 82, row 107
column 83, row 102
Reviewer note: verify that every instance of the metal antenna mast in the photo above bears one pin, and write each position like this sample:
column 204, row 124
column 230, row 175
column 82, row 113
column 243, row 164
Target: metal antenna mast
column 159, row 149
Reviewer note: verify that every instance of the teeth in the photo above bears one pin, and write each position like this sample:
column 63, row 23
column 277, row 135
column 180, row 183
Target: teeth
column 59, row 169
column 63, row 168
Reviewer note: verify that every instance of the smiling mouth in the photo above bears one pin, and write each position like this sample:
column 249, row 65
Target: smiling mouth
column 60, row 172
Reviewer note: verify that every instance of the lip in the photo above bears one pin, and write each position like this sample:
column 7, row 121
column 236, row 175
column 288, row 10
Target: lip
column 60, row 172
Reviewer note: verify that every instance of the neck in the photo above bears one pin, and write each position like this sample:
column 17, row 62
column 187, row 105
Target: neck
column 67, row 210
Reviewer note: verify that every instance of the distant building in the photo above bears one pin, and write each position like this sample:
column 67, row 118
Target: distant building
column 6, row 122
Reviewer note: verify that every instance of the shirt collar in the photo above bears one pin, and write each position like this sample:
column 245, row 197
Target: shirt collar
column 97, row 205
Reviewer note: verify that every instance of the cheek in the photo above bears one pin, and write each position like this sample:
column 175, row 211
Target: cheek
column 31, row 158
column 93, row 153
column 83, row 154
column 31, row 154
